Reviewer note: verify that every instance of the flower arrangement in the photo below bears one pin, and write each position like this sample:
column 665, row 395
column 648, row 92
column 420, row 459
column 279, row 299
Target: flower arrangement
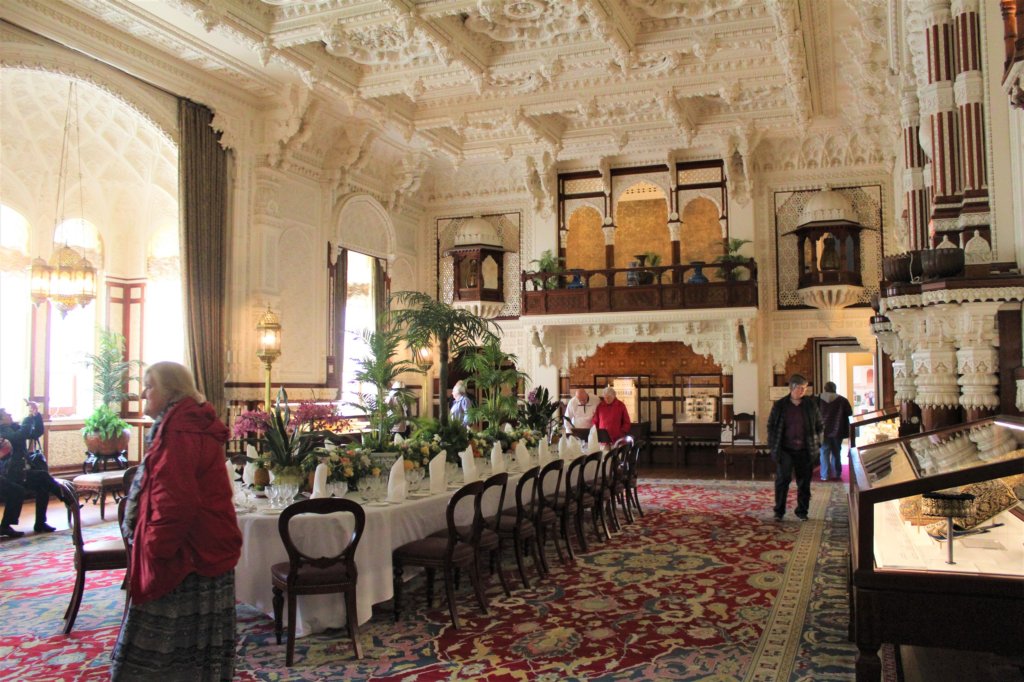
column 250, row 424
column 538, row 411
column 418, row 452
column 283, row 447
column 346, row 464
column 451, row 436
column 316, row 416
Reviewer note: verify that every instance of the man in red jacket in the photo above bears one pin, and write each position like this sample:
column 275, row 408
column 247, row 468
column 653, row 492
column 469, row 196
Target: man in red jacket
column 612, row 416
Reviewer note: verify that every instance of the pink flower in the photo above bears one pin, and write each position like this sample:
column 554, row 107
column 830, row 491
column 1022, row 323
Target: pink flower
column 250, row 423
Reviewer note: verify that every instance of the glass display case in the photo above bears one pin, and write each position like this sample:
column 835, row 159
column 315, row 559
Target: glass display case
column 875, row 426
column 903, row 588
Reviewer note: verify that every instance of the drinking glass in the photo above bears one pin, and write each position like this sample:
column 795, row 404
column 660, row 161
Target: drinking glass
column 271, row 492
column 363, row 486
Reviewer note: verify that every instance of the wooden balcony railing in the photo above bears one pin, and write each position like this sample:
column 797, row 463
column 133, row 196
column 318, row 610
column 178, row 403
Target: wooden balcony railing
column 649, row 288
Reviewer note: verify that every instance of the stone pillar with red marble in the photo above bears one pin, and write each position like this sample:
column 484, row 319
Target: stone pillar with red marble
column 938, row 111
column 915, row 195
column 968, row 93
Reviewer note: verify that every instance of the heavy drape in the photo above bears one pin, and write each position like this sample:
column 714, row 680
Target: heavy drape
column 340, row 303
column 380, row 292
column 202, row 182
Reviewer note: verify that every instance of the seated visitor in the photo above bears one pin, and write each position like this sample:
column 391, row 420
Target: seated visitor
column 611, row 416
column 579, row 413
column 17, row 479
column 460, row 403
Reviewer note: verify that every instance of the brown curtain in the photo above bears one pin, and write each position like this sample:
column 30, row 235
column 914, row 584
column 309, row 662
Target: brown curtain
column 202, row 183
column 380, row 292
column 340, row 302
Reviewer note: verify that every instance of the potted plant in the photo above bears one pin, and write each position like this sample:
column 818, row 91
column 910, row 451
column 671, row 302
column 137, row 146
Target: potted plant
column 538, row 412
column 547, row 263
column 496, row 377
column 106, row 433
column 648, row 259
column 427, row 321
column 379, row 371
column 731, row 264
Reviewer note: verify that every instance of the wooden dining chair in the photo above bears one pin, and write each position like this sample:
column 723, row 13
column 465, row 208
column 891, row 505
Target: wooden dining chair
column 566, row 502
column 303, row 574
column 490, row 544
column 456, row 549
column 590, row 496
column 517, row 528
column 547, row 519
column 630, row 479
column 611, row 489
column 97, row 555
column 744, row 427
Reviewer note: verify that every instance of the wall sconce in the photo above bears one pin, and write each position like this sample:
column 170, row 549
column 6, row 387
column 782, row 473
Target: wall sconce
column 268, row 346
column 423, row 359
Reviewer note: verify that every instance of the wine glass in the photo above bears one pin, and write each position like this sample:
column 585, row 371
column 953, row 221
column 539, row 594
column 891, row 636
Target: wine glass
column 363, row 486
column 271, row 492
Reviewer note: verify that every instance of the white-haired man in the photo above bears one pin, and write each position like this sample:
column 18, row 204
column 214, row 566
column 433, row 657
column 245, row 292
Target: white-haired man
column 579, row 413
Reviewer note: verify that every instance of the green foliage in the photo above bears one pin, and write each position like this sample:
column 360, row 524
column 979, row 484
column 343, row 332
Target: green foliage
column 653, row 259
column 538, row 411
column 496, row 377
column 104, row 422
column 451, row 436
column 732, row 257
column 380, row 369
column 110, row 371
column 285, row 447
column 426, row 322
column 547, row 263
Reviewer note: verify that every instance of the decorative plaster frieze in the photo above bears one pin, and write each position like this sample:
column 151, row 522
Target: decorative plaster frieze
column 969, row 88
column 936, row 98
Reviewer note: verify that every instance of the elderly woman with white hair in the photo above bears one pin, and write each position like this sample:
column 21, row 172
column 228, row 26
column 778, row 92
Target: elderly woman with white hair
column 460, row 403
column 612, row 416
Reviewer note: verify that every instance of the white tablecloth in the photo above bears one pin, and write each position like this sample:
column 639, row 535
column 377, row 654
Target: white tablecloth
column 387, row 528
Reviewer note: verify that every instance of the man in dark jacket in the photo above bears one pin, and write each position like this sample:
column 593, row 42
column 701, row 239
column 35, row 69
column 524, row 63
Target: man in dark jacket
column 16, row 479
column 835, row 414
column 794, row 439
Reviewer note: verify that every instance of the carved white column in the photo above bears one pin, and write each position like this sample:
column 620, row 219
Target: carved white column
column 978, row 359
column 934, row 367
column 915, row 195
column 968, row 91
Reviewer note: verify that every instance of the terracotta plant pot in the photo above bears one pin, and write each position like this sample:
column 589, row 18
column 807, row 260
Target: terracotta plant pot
column 107, row 446
column 942, row 263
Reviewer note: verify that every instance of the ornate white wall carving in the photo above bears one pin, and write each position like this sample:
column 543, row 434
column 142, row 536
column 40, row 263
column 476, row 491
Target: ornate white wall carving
column 363, row 225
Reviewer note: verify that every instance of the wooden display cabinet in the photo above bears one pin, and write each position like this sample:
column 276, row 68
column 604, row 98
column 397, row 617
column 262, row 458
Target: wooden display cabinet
column 902, row 591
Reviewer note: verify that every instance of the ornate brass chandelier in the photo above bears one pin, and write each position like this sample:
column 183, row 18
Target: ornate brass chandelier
column 69, row 279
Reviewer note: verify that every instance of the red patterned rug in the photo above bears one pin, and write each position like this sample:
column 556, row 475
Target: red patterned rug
column 705, row 586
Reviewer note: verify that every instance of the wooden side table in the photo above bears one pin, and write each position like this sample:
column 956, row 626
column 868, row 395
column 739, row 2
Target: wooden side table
column 98, row 485
column 693, row 431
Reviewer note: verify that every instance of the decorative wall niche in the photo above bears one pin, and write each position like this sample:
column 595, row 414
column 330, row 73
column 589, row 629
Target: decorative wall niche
column 508, row 228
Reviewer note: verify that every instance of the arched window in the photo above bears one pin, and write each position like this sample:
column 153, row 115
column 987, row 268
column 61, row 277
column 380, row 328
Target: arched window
column 163, row 333
column 360, row 316
column 16, row 306
column 73, row 336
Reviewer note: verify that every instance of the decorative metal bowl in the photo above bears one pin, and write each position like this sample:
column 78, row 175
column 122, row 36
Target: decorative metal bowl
column 942, row 263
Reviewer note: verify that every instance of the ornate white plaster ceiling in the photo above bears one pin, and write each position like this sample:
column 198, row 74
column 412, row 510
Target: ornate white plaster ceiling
column 576, row 78
column 127, row 165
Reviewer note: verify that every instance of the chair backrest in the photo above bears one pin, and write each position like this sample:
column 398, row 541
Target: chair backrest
column 630, row 459
column 128, row 478
column 474, row 491
column 328, row 505
column 526, row 494
column 744, row 426
column 551, row 470
column 590, row 477
column 610, row 467
column 492, row 516
column 574, row 477
column 69, row 496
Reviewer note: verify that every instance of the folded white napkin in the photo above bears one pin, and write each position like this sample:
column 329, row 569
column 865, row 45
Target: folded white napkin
column 396, row 481
column 543, row 453
column 232, row 475
column 497, row 459
column 522, row 456
column 248, row 473
column 507, row 428
column 437, row 477
column 320, row 482
column 398, row 439
column 469, row 473
column 593, row 444
column 563, row 446
column 330, row 447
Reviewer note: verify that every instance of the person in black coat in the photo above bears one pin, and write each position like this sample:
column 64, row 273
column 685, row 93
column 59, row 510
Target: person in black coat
column 16, row 479
column 835, row 413
column 794, row 440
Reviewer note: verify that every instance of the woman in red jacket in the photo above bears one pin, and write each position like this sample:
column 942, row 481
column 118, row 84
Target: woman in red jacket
column 185, row 541
column 612, row 416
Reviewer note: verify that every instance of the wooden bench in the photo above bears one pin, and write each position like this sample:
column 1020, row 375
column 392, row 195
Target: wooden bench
column 100, row 484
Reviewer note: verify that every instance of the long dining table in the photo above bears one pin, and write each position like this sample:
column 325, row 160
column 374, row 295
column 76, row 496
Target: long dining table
column 388, row 526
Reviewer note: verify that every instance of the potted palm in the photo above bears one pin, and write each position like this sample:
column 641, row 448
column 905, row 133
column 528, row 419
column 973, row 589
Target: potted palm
column 496, row 377
column 731, row 264
column 106, row 433
column 426, row 321
column 378, row 372
column 547, row 263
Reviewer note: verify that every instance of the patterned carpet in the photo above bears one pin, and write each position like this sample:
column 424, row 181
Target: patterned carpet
column 705, row 587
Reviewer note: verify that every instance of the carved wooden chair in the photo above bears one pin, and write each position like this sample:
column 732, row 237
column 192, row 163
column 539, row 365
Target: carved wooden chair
column 517, row 526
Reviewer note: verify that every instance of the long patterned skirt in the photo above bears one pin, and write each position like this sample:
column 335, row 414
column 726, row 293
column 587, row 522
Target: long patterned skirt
column 187, row 635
